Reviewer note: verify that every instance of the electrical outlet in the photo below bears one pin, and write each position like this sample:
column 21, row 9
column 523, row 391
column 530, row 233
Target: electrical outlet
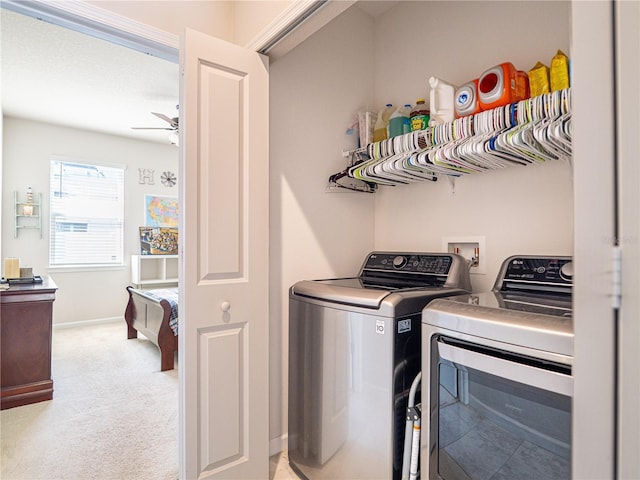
column 473, row 248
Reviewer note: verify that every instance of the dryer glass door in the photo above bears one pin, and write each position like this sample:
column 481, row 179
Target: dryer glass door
column 500, row 415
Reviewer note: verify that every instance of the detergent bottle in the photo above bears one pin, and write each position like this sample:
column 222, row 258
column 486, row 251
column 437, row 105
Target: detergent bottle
column 406, row 121
column 466, row 99
column 539, row 80
column 502, row 85
column 441, row 100
column 382, row 122
column 419, row 116
column 559, row 71
column 399, row 122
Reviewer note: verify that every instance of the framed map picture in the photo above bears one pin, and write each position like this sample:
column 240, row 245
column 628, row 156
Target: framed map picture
column 161, row 211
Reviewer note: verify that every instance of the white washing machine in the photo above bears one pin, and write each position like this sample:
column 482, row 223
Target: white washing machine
column 496, row 371
column 354, row 350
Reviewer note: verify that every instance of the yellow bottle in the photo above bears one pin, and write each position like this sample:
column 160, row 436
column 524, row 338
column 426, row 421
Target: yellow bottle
column 380, row 129
column 559, row 71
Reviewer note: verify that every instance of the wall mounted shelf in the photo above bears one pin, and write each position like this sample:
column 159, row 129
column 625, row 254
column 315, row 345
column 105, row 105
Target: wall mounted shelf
column 535, row 130
column 27, row 215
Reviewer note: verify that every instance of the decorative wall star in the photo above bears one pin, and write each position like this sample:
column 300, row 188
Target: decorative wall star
column 168, row 179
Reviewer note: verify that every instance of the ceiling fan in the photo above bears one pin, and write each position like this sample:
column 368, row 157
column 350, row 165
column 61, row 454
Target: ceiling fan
column 173, row 123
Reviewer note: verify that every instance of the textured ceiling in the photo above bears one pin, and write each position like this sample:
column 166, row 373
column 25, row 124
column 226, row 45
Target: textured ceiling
column 55, row 75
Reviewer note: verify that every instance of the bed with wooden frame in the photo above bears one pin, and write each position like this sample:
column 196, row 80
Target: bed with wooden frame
column 156, row 318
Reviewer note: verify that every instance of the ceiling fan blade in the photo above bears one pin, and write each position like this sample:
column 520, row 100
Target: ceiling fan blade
column 170, row 121
column 151, row 128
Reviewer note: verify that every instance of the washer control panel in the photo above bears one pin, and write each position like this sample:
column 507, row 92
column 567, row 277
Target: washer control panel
column 430, row 264
column 534, row 271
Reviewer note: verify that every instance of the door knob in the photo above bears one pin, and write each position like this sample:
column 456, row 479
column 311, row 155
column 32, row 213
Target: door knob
column 225, row 306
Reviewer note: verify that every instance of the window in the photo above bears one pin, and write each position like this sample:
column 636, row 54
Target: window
column 87, row 214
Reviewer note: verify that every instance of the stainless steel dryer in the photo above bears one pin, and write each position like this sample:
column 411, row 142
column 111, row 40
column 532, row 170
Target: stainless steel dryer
column 354, row 350
column 498, row 370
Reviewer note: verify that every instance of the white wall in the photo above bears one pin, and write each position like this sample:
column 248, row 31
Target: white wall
column 315, row 90
column 457, row 41
column 27, row 148
column 213, row 18
column 519, row 210
column 251, row 17
column 237, row 22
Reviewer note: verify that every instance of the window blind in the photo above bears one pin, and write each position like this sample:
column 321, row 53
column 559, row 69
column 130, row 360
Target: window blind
column 87, row 214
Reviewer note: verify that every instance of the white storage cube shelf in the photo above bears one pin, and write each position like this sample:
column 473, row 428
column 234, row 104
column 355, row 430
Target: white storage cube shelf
column 149, row 270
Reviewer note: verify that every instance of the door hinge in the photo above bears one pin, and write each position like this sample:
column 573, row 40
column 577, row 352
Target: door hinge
column 616, row 279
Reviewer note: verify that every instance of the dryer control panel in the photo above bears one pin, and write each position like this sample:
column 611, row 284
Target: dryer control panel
column 536, row 274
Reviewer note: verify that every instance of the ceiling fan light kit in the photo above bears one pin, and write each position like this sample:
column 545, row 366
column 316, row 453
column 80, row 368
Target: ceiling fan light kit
column 173, row 127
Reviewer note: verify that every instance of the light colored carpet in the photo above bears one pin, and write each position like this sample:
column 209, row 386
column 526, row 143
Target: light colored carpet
column 114, row 415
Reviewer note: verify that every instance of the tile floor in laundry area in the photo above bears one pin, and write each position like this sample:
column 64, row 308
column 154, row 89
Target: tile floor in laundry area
column 279, row 468
column 473, row 447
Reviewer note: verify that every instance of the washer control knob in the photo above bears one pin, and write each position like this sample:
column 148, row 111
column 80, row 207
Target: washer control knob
column 566, row 271
column 399, row 261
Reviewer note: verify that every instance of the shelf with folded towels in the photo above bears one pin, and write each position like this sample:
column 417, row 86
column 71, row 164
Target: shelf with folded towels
column 535, row 130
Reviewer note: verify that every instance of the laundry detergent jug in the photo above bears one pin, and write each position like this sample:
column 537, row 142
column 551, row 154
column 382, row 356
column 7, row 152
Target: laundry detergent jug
column 399, row 122
column 441, row 101
column 466, row 99
column 502, row 85
column 382, row 123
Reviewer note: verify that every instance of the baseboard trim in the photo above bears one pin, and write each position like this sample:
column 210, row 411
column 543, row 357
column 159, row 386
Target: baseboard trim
column 87, row 323
column 278, row 444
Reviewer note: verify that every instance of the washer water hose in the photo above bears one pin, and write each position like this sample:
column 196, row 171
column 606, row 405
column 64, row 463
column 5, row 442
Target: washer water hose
column 411, row 451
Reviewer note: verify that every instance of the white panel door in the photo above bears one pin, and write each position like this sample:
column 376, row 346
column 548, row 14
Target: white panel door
column 223, row 349
column 593, row 436
column 628, row 149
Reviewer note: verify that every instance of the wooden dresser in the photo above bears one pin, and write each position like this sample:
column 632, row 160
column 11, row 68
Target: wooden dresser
column 26, row 315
